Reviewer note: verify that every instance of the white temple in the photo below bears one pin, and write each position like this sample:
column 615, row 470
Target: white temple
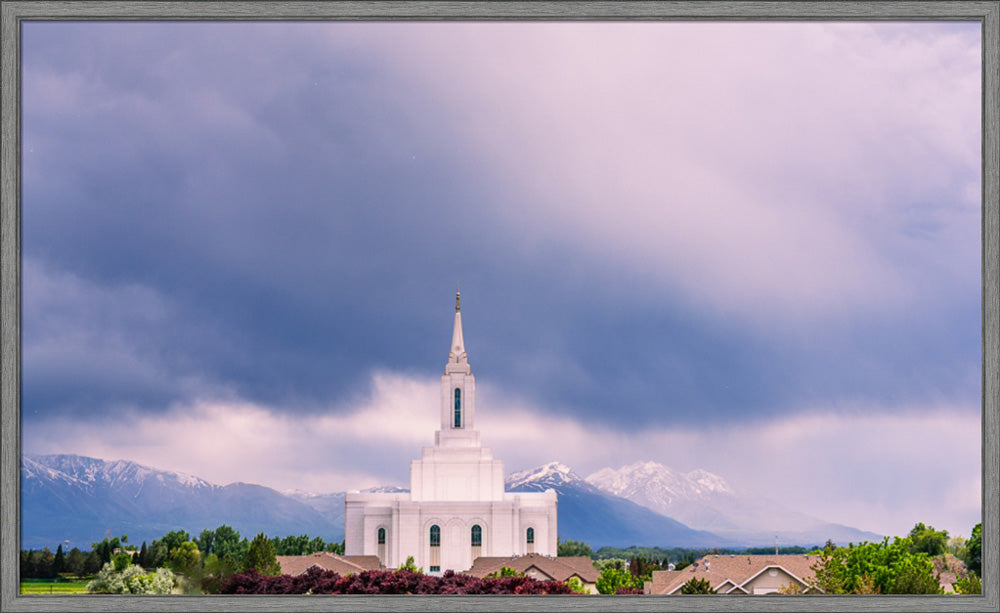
column 456, row 509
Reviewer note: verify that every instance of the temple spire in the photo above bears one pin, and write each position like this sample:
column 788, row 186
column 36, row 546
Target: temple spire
column 457, row 353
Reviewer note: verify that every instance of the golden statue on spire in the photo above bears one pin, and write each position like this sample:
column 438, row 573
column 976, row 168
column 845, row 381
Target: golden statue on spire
column 458, row 295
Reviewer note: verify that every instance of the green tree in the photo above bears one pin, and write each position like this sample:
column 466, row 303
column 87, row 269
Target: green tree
column 106, row 548
column 974, row 550
column 74, row 561
column 141, row 557
column 889, row 568
column 43, row 563
column 174, row 539
column 956, row 546
column 411, row 565
column 970, row 584
column 59, row 561
column 575, row 585
column 157, row 555
column 292, row 545
column 121, row 560
column 506, row 571
column 229, row 546
column 261, row 556
column 574, row 548
column 697, row 586
column 642, row 568
column 205, row 540
column 618, row 563
column 337, row 548
column 925, row 539
column 185, row 559
column 612, row 579
column 92, row 563
column 317, row 544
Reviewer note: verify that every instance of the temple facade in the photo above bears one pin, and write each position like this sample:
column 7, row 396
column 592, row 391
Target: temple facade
column 456, row 509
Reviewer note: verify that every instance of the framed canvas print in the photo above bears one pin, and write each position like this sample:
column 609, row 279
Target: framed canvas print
column 503, row 306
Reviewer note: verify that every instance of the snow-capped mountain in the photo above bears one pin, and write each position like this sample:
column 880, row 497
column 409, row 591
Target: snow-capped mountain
column 552, row 475
column 656, row 486
column 598, row 518
column 82, row 499
column 706, row 501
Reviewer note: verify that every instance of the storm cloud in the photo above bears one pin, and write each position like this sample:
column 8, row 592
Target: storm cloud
column 656, row 226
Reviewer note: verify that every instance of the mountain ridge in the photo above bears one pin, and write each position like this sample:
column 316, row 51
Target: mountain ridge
column 706, row 501
column 81, row 499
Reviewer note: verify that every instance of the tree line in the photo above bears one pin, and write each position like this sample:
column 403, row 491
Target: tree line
column 211, row 556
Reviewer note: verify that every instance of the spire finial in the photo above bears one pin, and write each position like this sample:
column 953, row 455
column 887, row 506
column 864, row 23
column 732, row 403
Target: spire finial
column 458, row 295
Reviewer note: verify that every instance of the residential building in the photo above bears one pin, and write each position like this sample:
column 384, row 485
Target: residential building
column 542, row 567
column 740, row 574
column 344, row 565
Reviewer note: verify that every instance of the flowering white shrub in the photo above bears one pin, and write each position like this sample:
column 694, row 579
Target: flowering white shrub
column 133, row 579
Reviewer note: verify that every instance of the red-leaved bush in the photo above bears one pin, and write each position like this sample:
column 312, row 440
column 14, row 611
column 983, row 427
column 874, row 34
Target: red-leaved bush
column 320, row 581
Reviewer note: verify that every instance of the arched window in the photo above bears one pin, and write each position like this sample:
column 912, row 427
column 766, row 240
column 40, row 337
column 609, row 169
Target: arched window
column 531, row 536
column 458, row 408
column 381, row 545
column 435, row 558
column 477, row 542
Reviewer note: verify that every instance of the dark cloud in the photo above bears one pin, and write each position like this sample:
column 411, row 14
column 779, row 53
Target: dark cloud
column 303, row 208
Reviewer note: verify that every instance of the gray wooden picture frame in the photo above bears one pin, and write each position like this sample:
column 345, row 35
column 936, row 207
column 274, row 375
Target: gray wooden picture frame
column 13, row 13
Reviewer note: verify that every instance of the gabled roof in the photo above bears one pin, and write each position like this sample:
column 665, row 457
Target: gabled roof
column 559, row 568
column 296, row 565
column 732, row 572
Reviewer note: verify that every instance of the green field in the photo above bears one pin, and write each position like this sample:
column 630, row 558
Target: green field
column 53, row 587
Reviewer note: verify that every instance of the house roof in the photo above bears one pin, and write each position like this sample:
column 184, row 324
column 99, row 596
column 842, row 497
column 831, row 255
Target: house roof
column 558, row 568
column 722, row 570
column 296, row 565
column 949, row 568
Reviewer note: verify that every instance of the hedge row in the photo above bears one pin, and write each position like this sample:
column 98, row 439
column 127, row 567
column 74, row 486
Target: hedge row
column 320, row 581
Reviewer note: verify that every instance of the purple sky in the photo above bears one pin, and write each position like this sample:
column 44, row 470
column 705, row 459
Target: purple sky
column 752, row 248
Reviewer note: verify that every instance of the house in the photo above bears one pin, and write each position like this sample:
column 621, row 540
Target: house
column 456, row 509
column 740, row 574
column 344, row 565
column 541, row 567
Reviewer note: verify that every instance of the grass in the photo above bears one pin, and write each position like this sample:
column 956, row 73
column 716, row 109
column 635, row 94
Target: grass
column 53, row 587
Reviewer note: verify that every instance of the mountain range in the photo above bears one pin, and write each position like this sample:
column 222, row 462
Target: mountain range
column 82, row 500
column 705, row 501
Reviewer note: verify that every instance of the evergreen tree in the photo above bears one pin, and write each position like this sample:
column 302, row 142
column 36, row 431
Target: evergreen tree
column 974, row 550
column 74, row 561
column 261, row 556
column 141, row 559
column 92, row 563
column 59, row 563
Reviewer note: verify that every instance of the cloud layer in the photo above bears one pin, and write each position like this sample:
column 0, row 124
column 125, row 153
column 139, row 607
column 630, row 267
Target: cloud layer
column 869, row 470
